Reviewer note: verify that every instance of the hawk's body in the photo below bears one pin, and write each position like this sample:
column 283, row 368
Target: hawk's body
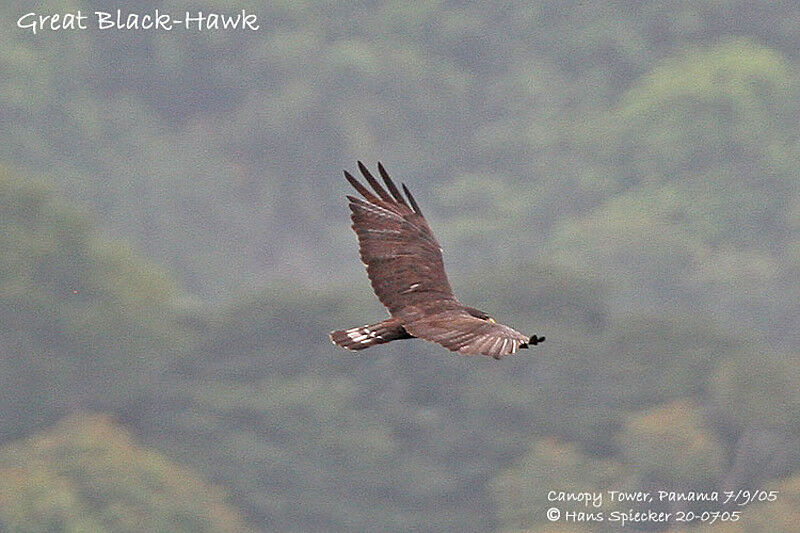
column 404, row 263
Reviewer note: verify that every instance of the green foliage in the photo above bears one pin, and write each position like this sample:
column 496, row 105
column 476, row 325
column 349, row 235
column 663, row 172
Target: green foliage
column 758, row 388
column 670, row 446
column 697, row 161
column 86, row 323
column 521, row 491
column 87, row 474
column 289, row 448
column 647, row 360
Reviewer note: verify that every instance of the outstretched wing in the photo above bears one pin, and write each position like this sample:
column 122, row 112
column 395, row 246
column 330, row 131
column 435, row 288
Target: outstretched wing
column 404, row 261
column 458, row 331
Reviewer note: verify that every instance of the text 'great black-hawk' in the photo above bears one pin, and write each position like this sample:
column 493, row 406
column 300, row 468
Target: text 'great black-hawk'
column 404, row 263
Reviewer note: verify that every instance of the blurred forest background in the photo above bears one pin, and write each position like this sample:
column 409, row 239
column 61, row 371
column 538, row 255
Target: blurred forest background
column 621, row 176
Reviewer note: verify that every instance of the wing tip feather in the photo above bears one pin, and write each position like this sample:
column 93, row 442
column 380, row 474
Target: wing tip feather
column 390, row 185
column 374, row 183
column 363, row 191
column 411, row 199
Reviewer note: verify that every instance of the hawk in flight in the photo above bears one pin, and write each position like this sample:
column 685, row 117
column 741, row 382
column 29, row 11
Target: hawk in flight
column 404, row 263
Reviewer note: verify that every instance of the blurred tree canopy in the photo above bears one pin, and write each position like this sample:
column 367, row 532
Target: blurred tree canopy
column 550, row 465
column 87, row 324
column 88, row 474
column 174, row 247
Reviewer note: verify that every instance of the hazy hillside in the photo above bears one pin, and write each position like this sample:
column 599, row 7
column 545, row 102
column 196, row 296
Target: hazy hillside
column 619, row 176
column 88, row 474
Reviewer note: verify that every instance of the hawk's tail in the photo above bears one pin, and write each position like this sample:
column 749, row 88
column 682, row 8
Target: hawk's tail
column 365, row 336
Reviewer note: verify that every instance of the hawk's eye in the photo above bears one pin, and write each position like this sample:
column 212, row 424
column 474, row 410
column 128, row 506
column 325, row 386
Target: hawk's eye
column 490, row 319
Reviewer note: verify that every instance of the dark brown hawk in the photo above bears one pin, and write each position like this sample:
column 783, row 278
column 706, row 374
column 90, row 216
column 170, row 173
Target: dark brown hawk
column 404, row 263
